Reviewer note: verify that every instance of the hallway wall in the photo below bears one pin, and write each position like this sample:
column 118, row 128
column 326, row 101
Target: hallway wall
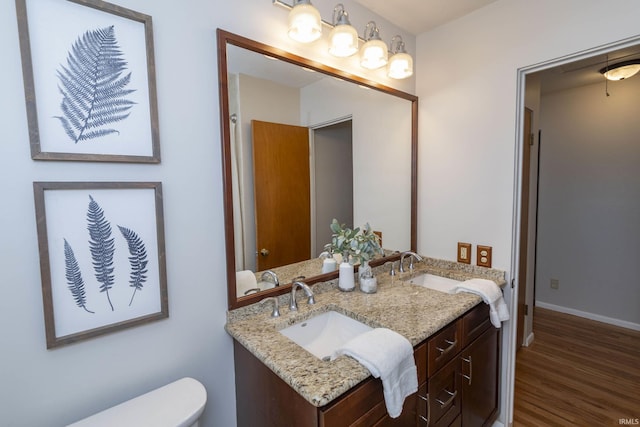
column 589, row 207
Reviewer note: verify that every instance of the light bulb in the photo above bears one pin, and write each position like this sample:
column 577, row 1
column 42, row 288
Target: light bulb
column 400, row 66
column 374, row 54
column 305, row 24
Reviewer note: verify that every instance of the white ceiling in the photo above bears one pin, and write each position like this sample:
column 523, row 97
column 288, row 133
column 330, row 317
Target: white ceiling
column 419, row 16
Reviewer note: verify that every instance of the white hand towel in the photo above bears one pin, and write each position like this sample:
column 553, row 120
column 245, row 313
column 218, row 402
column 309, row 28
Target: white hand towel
column 245, row 280
column 388, row 356
column 491, row 294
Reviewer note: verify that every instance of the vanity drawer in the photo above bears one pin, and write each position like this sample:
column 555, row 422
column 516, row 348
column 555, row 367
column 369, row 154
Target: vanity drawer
column 362, row 405
column 443, row 346
column 439, row 399
column 474, row 323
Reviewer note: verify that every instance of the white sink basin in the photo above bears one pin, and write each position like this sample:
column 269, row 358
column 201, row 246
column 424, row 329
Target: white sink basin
column 437, row 283
column 324, row 333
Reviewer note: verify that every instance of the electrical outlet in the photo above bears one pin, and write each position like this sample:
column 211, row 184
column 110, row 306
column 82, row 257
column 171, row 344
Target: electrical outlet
column 555, row 284
column 464, row 253
column 483, row 257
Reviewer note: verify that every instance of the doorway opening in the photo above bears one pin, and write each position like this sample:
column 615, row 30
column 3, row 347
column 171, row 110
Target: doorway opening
column 539, row 79
column 332, row 180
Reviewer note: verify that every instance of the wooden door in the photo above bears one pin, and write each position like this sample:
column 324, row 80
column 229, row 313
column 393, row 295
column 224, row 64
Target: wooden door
column 527, row 140
column 281, row 192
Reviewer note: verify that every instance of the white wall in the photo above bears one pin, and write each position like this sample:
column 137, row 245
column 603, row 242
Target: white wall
column 54, row 387
column 381, row 126
column 589, row 207
column 467, row 83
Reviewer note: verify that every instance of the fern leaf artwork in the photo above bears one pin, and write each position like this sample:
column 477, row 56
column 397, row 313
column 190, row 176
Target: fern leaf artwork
column 102, row 247
column 93, row 86
column 137, row 260
column 74, row 278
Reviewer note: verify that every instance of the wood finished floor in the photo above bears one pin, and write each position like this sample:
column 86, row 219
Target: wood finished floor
column 577, row 372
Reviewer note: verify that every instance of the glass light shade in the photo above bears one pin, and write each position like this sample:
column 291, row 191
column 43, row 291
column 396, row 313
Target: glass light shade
column 305, row 24
column 374, row 54
column 623, row 72
column 343, row 41
column 400, row 66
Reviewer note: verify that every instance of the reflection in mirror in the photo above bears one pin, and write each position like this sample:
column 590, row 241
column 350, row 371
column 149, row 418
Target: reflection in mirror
column 303, row 144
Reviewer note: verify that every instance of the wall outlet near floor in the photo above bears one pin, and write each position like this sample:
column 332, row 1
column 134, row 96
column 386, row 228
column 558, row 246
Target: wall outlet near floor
column 483, row 257
column 555, row 284
column 464, row 252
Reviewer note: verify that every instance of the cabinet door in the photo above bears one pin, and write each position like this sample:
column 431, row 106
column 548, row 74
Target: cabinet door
column 479, row 371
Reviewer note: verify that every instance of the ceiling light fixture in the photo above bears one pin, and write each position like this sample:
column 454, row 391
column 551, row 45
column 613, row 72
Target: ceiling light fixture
column 343, row 39
column 400, row 63
column 305, row 23
column 373, row 53
column 621, row 70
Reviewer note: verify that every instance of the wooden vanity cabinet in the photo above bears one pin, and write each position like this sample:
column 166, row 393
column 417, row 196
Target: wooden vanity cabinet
column 457, row 386
column 454, row 393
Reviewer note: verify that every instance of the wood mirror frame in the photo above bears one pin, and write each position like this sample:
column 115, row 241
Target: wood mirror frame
column 225, row 38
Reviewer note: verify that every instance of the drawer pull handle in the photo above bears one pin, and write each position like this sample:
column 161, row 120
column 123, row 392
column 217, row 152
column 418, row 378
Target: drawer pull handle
column 426, row 399
column 443, row 351
column 470, row 376
column 449, row 400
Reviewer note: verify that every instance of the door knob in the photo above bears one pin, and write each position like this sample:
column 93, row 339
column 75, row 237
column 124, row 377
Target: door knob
column 264, row 252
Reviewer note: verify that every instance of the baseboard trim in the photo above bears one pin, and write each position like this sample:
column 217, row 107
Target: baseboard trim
column 596, row 317
column 528, row 340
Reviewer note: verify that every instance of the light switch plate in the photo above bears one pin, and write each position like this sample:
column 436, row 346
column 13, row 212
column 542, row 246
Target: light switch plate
column 483, row 256
column 464, row 253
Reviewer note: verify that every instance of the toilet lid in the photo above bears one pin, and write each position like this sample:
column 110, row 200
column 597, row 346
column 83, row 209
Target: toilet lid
column 178, row 404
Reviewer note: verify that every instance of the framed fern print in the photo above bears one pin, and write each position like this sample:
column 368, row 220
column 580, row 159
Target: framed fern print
column 89, row 79
column 102, row 257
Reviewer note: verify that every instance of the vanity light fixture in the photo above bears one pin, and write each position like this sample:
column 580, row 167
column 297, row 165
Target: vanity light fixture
column 401, row 63
column 343, row 39
column 373, row 53
column 621, row 70
column 305, row 23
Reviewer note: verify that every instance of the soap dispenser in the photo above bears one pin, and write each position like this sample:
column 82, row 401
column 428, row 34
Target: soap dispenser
column 329, row 263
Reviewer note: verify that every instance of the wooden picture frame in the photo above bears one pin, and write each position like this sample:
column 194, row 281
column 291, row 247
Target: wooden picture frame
column 73, row 112
column 102, row 257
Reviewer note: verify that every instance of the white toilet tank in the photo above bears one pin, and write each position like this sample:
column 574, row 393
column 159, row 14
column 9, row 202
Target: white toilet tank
column 178, row 404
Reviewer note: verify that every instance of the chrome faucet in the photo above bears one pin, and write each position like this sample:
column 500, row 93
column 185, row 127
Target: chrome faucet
column 293, row 305
column 270, row 274
column 276, row 306
column 412, row 256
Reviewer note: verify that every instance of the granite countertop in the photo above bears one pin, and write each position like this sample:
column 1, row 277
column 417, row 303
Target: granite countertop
column 413, row 311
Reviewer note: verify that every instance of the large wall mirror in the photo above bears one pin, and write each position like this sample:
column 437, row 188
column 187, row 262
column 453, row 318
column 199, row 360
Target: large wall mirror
column 303, row 143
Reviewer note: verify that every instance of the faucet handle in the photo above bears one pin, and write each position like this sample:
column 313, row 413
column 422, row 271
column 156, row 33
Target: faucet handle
column 276, row 306
column 392, row 269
